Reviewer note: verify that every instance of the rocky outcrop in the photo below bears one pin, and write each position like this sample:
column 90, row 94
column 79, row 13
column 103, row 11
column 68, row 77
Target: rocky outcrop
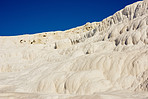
column 97, row 57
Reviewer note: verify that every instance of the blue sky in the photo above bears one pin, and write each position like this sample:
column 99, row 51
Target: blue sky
column 19, row 17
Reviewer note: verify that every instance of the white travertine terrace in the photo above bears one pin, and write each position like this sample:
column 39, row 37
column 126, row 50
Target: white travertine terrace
column 99, row 60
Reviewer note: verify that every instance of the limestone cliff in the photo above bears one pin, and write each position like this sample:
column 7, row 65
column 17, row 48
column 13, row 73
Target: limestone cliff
column 96, row 59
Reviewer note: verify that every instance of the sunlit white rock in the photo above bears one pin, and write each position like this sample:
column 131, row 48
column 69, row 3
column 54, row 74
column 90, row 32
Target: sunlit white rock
column 107, row 59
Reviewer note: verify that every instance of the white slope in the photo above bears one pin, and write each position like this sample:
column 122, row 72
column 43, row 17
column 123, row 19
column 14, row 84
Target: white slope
column 99, row 60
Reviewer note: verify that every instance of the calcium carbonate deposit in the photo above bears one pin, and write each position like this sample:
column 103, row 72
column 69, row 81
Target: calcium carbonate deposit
column 99, row 60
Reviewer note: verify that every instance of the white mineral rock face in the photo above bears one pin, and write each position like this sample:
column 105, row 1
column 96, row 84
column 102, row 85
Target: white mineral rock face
column 99, row 60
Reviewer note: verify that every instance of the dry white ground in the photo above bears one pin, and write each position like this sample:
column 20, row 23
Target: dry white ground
column 99, row 60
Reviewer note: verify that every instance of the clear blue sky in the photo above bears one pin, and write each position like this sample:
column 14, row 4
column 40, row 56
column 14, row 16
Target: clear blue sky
column 19, row 17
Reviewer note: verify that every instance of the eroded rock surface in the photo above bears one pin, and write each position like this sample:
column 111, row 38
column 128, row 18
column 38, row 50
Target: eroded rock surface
column 98, row 60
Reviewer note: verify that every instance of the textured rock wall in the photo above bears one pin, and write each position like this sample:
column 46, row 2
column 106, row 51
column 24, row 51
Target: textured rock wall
column 101, row 56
